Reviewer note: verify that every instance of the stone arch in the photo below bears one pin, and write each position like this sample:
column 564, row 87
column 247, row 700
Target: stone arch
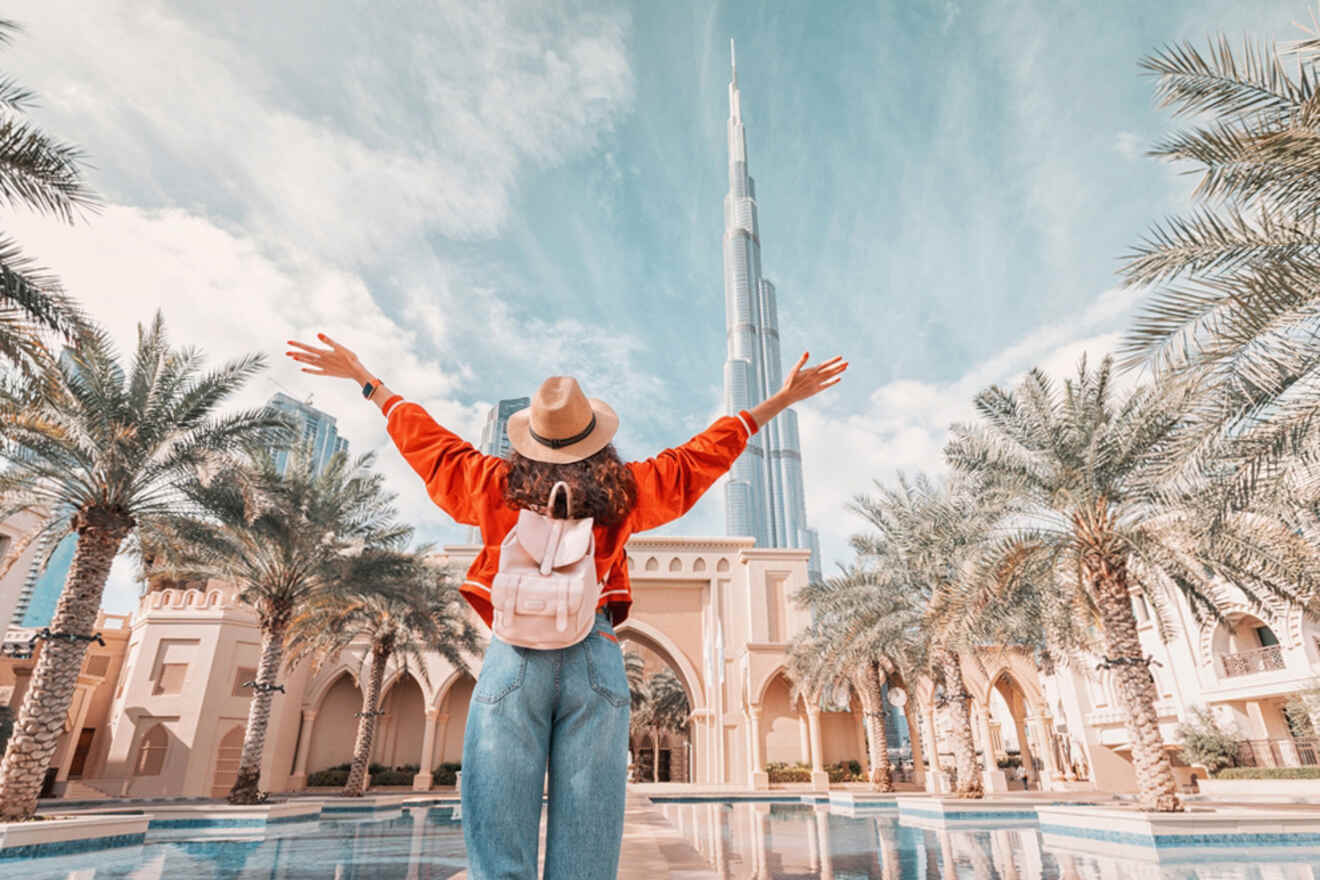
column 652, row 564
column 332, row 738
column 657, row 641
column 326, row 679
column 401, row 729
column 722, row 566
column 227, row 753
column 152, row 750
column 1021, row 704
column 699, row 564
column 780, row 725
column 760, row 689
column 213, row 599
column 675, row 564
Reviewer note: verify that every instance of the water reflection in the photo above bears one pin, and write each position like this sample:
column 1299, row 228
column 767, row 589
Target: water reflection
column 423, row 844
column 760, row 841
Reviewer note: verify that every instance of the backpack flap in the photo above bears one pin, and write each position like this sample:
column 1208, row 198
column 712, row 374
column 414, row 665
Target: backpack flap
column 536, row 533
column 534, row 595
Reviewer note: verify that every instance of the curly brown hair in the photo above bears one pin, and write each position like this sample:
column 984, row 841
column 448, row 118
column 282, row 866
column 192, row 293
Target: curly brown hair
column 602, row 486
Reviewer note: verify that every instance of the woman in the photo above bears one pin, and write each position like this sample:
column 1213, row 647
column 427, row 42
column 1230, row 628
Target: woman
column 566, row 708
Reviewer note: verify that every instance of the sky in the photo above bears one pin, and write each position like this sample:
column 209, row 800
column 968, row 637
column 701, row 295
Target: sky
column 477, row 196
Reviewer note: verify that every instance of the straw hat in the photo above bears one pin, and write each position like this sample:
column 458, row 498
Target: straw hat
column 562, row 425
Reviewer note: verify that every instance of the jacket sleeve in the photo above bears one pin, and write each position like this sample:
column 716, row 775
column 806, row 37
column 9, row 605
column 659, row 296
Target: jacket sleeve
column 670, row 484
column 456, row 474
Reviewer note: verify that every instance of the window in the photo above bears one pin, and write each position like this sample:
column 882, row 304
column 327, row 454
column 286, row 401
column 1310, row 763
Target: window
column 169, row 680
column 244, row 673
column 151, row 752
column 1266, row 636
column 1141, row 608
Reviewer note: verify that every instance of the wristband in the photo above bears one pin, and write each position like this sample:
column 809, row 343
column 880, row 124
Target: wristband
column 394, row 398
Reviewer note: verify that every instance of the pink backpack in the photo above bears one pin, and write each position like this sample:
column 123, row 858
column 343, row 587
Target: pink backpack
column 545, row 593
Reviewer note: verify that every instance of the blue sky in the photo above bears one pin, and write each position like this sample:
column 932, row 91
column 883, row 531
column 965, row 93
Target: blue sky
column 477, row 196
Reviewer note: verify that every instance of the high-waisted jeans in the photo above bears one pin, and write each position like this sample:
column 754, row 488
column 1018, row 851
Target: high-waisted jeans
column 568, row 707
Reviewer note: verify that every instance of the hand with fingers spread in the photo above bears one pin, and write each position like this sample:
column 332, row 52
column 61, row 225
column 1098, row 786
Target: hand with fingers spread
column 339, row 362
column 336, row 361
column 803, row 383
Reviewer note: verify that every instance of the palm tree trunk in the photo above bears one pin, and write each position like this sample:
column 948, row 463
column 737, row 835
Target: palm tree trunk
column 655, row 752
column 968, row 784
column 246, row 788
column 356, row 785
column 41, row 719
column 1156, row 785
column 882, row 775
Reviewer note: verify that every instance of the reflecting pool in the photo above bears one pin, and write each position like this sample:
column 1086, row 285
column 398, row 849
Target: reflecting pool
column 759, row 841
column 415, row 844
column 746, row 840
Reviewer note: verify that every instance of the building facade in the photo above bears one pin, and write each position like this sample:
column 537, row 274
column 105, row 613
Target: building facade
column 315, row 427
column 164, row 711
column 763, row 496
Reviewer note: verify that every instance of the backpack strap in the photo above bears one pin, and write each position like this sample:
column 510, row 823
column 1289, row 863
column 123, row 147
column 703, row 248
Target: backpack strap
column 556, row 526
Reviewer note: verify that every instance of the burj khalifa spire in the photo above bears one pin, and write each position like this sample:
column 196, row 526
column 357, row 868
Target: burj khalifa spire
column 763, row 497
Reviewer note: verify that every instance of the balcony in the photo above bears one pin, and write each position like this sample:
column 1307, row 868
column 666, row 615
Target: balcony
column 1303, row 752
column 1250, row 662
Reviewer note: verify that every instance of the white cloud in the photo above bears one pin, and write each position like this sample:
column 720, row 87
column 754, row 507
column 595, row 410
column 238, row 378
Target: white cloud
column 906, row 424
column 427, row 134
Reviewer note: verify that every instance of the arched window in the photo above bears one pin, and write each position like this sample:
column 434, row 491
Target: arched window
column 226, row 762
column 151, row 752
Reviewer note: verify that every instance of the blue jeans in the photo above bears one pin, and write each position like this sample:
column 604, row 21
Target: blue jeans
column 569, row 708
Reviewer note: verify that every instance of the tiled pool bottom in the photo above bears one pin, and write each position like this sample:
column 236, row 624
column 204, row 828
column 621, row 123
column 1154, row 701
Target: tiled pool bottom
column 760, row 841
column 419, row 844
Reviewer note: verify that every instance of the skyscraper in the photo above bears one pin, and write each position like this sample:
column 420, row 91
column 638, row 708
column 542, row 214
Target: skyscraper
column 763, row 497
column 495, row 438
column 317, row 427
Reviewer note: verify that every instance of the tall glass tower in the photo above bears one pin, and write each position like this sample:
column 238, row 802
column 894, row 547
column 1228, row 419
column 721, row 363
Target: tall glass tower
column 318, row 428
column 763, row 497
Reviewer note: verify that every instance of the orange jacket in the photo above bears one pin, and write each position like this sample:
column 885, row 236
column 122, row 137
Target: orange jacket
column 469, row 486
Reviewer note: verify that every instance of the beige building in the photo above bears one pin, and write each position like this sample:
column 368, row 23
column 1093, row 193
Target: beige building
column 161, row 708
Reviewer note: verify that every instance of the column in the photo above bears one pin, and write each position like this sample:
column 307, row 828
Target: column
column 935, row 781
column 299, row 778
column 993, row 779
column 918, row 753
column 1045, row 744
column 1026, row 753
column 757, row 773
column 422, row 781
column 804, row 734
column 819, row 778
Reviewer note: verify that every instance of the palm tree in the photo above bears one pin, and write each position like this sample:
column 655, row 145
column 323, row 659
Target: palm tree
column 925, row 535
column 863, row 633
column 284, row 538
column 666, row 709
column 635, row 668
column 1081, row 468
column 44, row 175
column 421, row 613
column 1236, row 282
column 100, row 453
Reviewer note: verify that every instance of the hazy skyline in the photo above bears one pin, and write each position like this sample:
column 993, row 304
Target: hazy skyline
column 476, row 197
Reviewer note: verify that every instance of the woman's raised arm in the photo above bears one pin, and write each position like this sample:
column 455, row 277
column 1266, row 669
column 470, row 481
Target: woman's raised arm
column 457, row 475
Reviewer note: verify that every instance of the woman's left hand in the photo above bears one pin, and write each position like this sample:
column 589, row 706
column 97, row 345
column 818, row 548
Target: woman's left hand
column 803, row 383
column 336, row 361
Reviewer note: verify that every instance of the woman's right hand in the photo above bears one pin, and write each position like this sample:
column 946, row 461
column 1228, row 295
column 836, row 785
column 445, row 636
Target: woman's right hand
column 803, row 383
column 335, row 361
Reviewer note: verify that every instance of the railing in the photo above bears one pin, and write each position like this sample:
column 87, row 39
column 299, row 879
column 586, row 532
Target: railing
column 1248, row 662
column 1304, row 752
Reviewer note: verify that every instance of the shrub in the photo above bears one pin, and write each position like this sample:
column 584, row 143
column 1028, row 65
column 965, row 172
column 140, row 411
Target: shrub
column 1010, row 762
column 781, row 771
column 409, row 768
column 843, row 771
column 446, row 773
column 392, row 777
column 373, row 769
column 333, row 776
column 1204, row 742
column 1269, row 773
